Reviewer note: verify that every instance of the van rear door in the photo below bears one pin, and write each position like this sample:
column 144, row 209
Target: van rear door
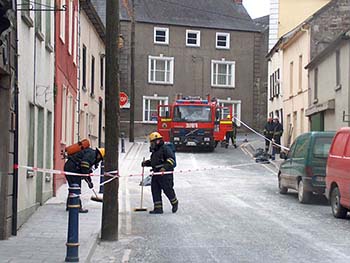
column 345, row 175
column 299, row 159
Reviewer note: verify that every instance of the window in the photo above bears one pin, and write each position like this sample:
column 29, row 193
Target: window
column 295, row 124
column 69, row 119
column 38, row 17
column 281, row 116
column 63, row 22
column 321, row 147
column 275, row 84
column 102, row 71
column 337, row 63
column 48, row 25
column 235, row 105
column 302, row 118
column 75, row 39
column 315, row 85
column 291, row 76
column 301, row 148
column 193, row 38
column 92, row 91
column 64, row 114
column 150, row 108
column 222, row 73
column 70, row 26
column 300, row 82
column 223, row 40
column 84, row 68
column 31, row 135
column 161, row 35
column 338, row 147
column 160, row 70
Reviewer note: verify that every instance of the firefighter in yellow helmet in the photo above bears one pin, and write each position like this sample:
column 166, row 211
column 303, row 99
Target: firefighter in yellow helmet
column 162, row 160
column 82, row 163
column 231, row 134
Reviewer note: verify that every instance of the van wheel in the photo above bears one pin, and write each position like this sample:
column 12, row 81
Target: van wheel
column 337, row 209
column 303, row 196
column 283, row 190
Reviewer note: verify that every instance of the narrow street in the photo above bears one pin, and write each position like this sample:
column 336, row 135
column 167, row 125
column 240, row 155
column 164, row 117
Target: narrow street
column 225, row 215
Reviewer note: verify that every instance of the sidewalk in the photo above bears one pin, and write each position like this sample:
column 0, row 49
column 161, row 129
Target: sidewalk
column 43, row 237
column 255, row 142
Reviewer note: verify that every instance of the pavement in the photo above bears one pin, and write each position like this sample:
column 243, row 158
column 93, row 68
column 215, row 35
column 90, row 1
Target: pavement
column 43, row 237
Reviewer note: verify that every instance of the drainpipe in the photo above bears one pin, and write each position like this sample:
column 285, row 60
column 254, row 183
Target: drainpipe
column 79, row 79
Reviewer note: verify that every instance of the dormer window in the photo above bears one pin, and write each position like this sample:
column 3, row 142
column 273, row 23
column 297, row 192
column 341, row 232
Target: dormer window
column 223, row 40
column 161, row 35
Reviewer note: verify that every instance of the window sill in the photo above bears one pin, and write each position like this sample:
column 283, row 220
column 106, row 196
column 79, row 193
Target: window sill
column 49, row 48
column 40, row 36
column 223, row 48
column 195, row 46
column 300, row 91
column 27, row 19
column 338, row 87
column 222, row 87
column 161, row 43
column 160, row 83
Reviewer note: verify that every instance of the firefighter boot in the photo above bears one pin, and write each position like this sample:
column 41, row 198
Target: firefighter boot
column 158, row 208
column 175, row 204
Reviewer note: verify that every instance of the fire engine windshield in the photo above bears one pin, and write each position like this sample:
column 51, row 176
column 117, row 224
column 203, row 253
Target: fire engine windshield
column 191, row 113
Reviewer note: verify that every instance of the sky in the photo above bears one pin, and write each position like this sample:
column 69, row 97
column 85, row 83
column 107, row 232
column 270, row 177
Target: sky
column 257, row 8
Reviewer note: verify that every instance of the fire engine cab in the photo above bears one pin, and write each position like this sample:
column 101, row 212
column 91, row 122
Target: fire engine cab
column 193, row 122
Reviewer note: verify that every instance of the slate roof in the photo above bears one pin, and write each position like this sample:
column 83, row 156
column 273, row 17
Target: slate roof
column 215, row 14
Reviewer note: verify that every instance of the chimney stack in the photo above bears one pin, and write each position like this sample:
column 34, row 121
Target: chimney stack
column 239, row 2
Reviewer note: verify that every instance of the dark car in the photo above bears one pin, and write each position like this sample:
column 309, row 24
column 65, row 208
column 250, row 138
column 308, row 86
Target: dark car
column 304, row 169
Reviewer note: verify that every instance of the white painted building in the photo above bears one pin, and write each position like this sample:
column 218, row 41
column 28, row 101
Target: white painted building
column 36, row 98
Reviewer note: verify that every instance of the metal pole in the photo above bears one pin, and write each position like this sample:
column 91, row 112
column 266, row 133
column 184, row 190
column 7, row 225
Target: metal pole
column 132, row 75
column 123, row 142
column 72, row 244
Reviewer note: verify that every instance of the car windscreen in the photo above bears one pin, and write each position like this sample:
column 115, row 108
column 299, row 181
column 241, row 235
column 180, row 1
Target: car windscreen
column 321, row 147
column 191, row 113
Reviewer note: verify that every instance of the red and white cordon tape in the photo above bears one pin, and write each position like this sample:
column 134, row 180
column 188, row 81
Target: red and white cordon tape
column 114, row 174
column 259, row 134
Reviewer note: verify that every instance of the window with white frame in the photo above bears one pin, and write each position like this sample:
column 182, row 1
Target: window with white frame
column 223, row 73
column 70, row 26
column 161, row 35
column 193, row 38
column 150, row 107
column 64, row 114
column 160, row 70
column 75, row 39
column 222, row 40
column 63, row 22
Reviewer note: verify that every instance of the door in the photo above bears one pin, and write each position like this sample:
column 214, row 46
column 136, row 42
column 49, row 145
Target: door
column 345, row 175
column 317, row 122
column 164, row 122
column 285, row 167
column 299, row 159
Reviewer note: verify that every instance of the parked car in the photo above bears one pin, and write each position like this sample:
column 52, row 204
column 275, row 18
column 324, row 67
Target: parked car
column 338, row 176
column 304, row 169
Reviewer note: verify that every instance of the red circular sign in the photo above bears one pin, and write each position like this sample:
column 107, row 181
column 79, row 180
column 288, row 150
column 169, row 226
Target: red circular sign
column 123, row 99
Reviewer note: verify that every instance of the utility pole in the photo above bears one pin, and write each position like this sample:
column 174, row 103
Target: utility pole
column 132, row 75
column 110, row 209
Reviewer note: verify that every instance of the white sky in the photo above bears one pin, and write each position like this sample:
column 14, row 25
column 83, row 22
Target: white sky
column 257, row 8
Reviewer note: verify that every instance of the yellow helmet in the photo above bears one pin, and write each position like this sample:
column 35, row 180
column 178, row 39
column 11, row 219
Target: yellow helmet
column 229, row 116
column 101, row 152
column 154, row 136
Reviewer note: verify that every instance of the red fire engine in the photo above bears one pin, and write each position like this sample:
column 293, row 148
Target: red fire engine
column 194, row 122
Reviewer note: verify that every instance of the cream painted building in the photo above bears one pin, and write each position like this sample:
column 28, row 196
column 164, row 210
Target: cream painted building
column 36, row 98
column 329, row 98
column 296, row 55
column 92, row 76
column 294, row 12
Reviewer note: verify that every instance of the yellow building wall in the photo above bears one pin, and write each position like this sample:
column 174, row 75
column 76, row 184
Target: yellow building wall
column 295, row 86
column 294, row 12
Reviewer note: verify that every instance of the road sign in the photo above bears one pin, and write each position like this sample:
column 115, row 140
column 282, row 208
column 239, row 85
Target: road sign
column 123, row 99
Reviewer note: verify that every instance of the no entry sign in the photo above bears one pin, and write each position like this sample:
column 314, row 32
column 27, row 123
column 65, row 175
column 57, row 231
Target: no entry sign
column 123, row 99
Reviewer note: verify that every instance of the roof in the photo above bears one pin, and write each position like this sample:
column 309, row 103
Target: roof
column 216, row 14
column 88, row 7
column 344, row 36
column 263, row 22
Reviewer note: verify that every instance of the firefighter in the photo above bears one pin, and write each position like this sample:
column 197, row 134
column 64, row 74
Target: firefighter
column 162, row 160
column 268, row 133
column 232, row 134
column 277, row 134
column 82, row 163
